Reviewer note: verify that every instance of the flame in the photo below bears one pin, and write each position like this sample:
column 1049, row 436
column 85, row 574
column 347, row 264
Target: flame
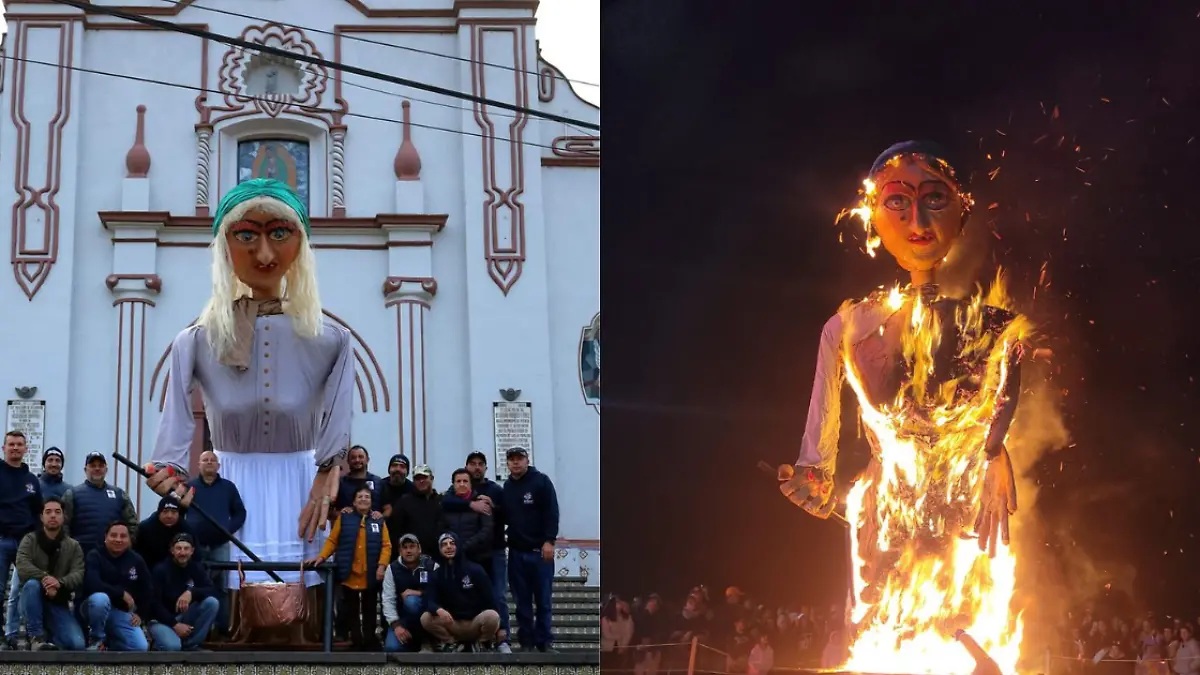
column 921, row 494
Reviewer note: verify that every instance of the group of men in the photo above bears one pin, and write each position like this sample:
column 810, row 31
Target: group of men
column 78, row 585
column 453, row 556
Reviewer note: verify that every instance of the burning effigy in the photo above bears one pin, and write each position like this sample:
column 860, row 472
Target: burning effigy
column 937, row 380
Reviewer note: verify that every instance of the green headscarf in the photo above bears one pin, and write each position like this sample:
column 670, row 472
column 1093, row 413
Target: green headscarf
column 261, row 187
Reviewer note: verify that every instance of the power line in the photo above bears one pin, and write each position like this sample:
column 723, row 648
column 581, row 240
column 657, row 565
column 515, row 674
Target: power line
column 377, row 90
column 313, row 108
column 83, row 6
column 382, row 43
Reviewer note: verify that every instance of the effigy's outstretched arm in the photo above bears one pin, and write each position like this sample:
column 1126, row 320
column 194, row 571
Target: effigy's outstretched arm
column 809, row 484
column 999, row 497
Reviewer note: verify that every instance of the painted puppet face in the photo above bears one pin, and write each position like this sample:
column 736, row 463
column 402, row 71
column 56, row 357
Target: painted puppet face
column 918, row 214
column 262, row 248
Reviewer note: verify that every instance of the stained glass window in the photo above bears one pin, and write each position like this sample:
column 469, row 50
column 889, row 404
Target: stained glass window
column 589, row 362
column 279, row 158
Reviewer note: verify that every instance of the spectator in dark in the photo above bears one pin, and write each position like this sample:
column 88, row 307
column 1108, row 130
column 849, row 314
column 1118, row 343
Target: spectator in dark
column 403, row 598
column 459, row 606
column 52, row 474
column 50, row 568
column 20, row 514
column 361, row 548
column 156, row 534
column 117, row 588
column 474, row 529
column 531, row 511
column 487, row 497
column 93, row 504
column 184, row 605
column 420, row 511
column 1187, row 657
column 616, row 631
column 221, row 499
column 357, row 478
column 649, row 628
column 738, row 647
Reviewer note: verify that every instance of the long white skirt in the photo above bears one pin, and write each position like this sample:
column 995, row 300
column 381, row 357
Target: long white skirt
column 274, row 488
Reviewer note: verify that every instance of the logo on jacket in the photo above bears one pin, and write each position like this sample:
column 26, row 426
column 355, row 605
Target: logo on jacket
column 133, row 574
column 423, row 577
column 112, row 494
column 370, row 485
column 528, row 498
column 374, row 528
column 29, row 488
column 466, row 582
column 191, row 584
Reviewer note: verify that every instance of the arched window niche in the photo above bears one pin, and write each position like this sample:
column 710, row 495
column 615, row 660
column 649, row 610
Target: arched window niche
column 293, row 150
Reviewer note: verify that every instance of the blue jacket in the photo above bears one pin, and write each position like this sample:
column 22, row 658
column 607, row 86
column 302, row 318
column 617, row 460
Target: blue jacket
column 20, row 501
column 223, row 502
column 114, row 577
column 348, row 537
column 171, row 581
column 53, row 486
column 349, row 486
column 452, row 503
column 531, row 511
column 89, row 510
column 459, row 586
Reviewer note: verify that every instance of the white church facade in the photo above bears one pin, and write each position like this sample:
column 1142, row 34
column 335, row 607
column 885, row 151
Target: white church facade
column 458, row 241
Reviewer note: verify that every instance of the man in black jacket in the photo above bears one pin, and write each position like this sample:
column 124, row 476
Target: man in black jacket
column 117, row 587
column 531, row 509
column 184, row 605
column 459, row 607
column 420, row 512
column 474, row 529
column 20, row 508
column 157, row 533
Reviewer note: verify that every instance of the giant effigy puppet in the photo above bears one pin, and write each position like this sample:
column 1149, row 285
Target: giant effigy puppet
column 276, row 378
column 937, row 380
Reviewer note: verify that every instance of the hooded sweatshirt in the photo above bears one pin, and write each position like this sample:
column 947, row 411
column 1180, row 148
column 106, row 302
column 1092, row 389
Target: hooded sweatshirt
column 531, row 511
column 459, row 586
column 154, row 538
column 115, row 576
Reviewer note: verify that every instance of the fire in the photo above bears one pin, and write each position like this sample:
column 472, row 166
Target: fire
column 920, row 496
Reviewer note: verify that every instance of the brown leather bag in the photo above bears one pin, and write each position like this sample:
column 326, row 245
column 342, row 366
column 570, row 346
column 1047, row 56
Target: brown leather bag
column 270, row 604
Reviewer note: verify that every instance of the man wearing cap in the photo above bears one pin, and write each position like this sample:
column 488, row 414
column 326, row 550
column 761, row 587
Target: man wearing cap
column 184, row 604
column 20, row 509
column 156, row 534
column 357, row 476
column 50, row 568
column 531, row 510
column 93, row 504
column 403, row 599
column 488, row 498
column 420, row 511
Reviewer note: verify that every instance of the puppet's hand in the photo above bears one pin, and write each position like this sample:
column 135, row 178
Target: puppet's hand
column 316, row 510
column 809, row 488
column 997, row 502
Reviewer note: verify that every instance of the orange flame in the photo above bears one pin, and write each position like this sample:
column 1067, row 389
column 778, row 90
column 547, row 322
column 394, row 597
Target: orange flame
column 918, row 498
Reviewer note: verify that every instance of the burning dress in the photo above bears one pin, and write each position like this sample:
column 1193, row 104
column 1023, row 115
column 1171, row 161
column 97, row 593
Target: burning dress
column 937, row 381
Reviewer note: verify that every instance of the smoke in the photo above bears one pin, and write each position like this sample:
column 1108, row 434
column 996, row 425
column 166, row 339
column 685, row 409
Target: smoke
column 1042, row 588
column 959, row 272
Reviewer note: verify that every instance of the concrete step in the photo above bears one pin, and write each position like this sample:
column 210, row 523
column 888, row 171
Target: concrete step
column 557, row 596
column 567, row 606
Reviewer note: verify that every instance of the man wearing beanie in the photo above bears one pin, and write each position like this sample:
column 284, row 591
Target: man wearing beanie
column 156, row 534
column 396, row 486
column 52, row 475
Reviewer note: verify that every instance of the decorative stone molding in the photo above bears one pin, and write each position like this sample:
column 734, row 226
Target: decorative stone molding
column 337, row 179
column 137, row 160
column 421, row 287
column 232, row 81
column 407, row 164
column 203, row 166
column 152, row 282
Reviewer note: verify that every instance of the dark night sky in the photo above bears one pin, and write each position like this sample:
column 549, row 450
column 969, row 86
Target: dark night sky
column 737, row 132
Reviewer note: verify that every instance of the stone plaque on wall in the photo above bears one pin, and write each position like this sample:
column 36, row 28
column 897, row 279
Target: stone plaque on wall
column 512, row 422
column 28, row 417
